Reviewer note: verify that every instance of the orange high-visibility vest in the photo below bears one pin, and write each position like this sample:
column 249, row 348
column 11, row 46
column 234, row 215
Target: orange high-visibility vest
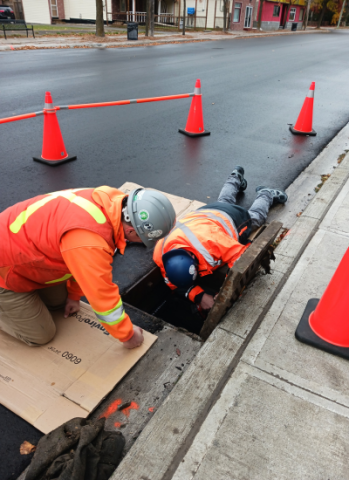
column 207, row 233
column 31, row 231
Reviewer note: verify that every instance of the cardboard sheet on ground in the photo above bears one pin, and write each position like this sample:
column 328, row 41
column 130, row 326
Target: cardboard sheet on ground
column 67, row 377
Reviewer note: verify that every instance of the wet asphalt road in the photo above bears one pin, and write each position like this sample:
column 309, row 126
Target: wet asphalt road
column 252, row 89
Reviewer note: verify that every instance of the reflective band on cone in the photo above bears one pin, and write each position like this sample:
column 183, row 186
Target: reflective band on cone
column 304, row 124
column 53, row 148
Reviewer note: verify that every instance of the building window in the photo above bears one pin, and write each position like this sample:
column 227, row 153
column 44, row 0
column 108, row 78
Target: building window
column 292, row 14
column 248, row 17
column 123, row 6
column 54, row 9
column 301, row 15
column 276, row 11
column 237, row 12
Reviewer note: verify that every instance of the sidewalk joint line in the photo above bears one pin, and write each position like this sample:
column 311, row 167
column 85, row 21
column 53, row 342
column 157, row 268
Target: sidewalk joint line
column 282, row 379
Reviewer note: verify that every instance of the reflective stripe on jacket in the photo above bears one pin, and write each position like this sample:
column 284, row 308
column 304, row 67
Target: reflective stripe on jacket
column 209, row 234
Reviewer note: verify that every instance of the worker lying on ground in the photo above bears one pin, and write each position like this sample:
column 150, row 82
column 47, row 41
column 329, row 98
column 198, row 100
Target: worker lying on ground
column 57, row 247
column 212, row 236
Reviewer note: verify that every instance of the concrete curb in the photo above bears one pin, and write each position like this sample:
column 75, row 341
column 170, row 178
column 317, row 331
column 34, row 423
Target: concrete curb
column 149, row 43
column 164, row 442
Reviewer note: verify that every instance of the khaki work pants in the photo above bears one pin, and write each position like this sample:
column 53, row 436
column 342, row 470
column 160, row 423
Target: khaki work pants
column 26, row 316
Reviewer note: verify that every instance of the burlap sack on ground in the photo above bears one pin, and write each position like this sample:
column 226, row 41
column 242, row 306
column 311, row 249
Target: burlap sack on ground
column 79, row 449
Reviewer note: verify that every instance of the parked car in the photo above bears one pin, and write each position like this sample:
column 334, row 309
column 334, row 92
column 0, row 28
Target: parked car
column 6, row 12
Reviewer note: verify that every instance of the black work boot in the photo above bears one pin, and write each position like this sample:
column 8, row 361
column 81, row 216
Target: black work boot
column 239, row 172
column 279, row 196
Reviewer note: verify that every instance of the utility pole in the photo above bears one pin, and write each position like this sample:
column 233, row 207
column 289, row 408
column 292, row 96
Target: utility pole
column 99, row 19
column 184, row 7
column 340, row 16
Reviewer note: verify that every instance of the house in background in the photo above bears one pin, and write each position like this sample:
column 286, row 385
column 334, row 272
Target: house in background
column 282, row 14
column 199, row 13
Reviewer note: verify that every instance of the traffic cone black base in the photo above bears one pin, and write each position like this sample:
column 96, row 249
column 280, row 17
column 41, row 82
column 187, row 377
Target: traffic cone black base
column 306, row 335
column 297, row 132
column 201, row 134
column 56, row 162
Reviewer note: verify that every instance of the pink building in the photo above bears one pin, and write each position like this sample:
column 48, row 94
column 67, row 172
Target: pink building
column 282, row 14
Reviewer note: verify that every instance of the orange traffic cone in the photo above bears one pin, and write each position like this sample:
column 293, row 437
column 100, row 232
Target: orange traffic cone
column 324, row 323
column 53, row 149
column 195, row 122
column 304, row 124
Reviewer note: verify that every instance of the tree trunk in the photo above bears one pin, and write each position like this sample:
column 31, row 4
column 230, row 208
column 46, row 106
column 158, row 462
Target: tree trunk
column 306, row 18
column 147, row 18
column 99, row 19
column 319, row 22
column 260, row 14
column 151, row 25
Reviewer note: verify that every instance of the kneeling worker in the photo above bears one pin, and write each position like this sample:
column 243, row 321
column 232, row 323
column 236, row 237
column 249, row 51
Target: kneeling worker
column 211, row 237
column 57, row 247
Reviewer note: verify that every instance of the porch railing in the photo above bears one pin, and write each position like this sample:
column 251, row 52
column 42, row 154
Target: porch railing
column 168, row 19
column 138, row 17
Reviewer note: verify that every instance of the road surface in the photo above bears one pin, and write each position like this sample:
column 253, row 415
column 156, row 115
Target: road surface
column 252, row 89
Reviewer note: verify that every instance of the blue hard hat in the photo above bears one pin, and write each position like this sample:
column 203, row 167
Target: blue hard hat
column 181, row 268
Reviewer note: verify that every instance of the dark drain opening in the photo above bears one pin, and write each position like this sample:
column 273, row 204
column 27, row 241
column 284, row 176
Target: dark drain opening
column 153, row 296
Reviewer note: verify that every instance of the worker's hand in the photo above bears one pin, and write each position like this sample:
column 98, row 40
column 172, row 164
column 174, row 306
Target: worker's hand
column 137, row 338
column 71, row 306
column 207, row 302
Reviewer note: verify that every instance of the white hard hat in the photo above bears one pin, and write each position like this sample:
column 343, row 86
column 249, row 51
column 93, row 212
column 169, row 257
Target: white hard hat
column 151, row 213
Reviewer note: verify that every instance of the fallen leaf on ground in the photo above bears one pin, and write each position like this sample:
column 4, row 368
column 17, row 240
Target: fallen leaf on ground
column 178, row 352
column 26, row 448
column 299, row 214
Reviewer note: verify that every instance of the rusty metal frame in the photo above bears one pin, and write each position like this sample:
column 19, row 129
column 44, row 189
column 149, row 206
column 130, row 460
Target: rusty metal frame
column 239, row 276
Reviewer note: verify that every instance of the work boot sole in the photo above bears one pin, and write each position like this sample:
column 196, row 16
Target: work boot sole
column 279, row 196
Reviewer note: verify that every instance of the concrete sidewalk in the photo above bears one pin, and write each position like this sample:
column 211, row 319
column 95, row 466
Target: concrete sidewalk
column 256, row 403
column 120, row 41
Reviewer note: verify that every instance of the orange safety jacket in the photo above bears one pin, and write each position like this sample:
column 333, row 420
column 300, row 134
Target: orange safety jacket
column 31, row 233
column 207, row 233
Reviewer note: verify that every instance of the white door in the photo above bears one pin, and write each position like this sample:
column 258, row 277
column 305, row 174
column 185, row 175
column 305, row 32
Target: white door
column 248, row 17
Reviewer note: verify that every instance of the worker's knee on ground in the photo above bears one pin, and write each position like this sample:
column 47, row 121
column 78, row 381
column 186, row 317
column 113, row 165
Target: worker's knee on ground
column 41, row 337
